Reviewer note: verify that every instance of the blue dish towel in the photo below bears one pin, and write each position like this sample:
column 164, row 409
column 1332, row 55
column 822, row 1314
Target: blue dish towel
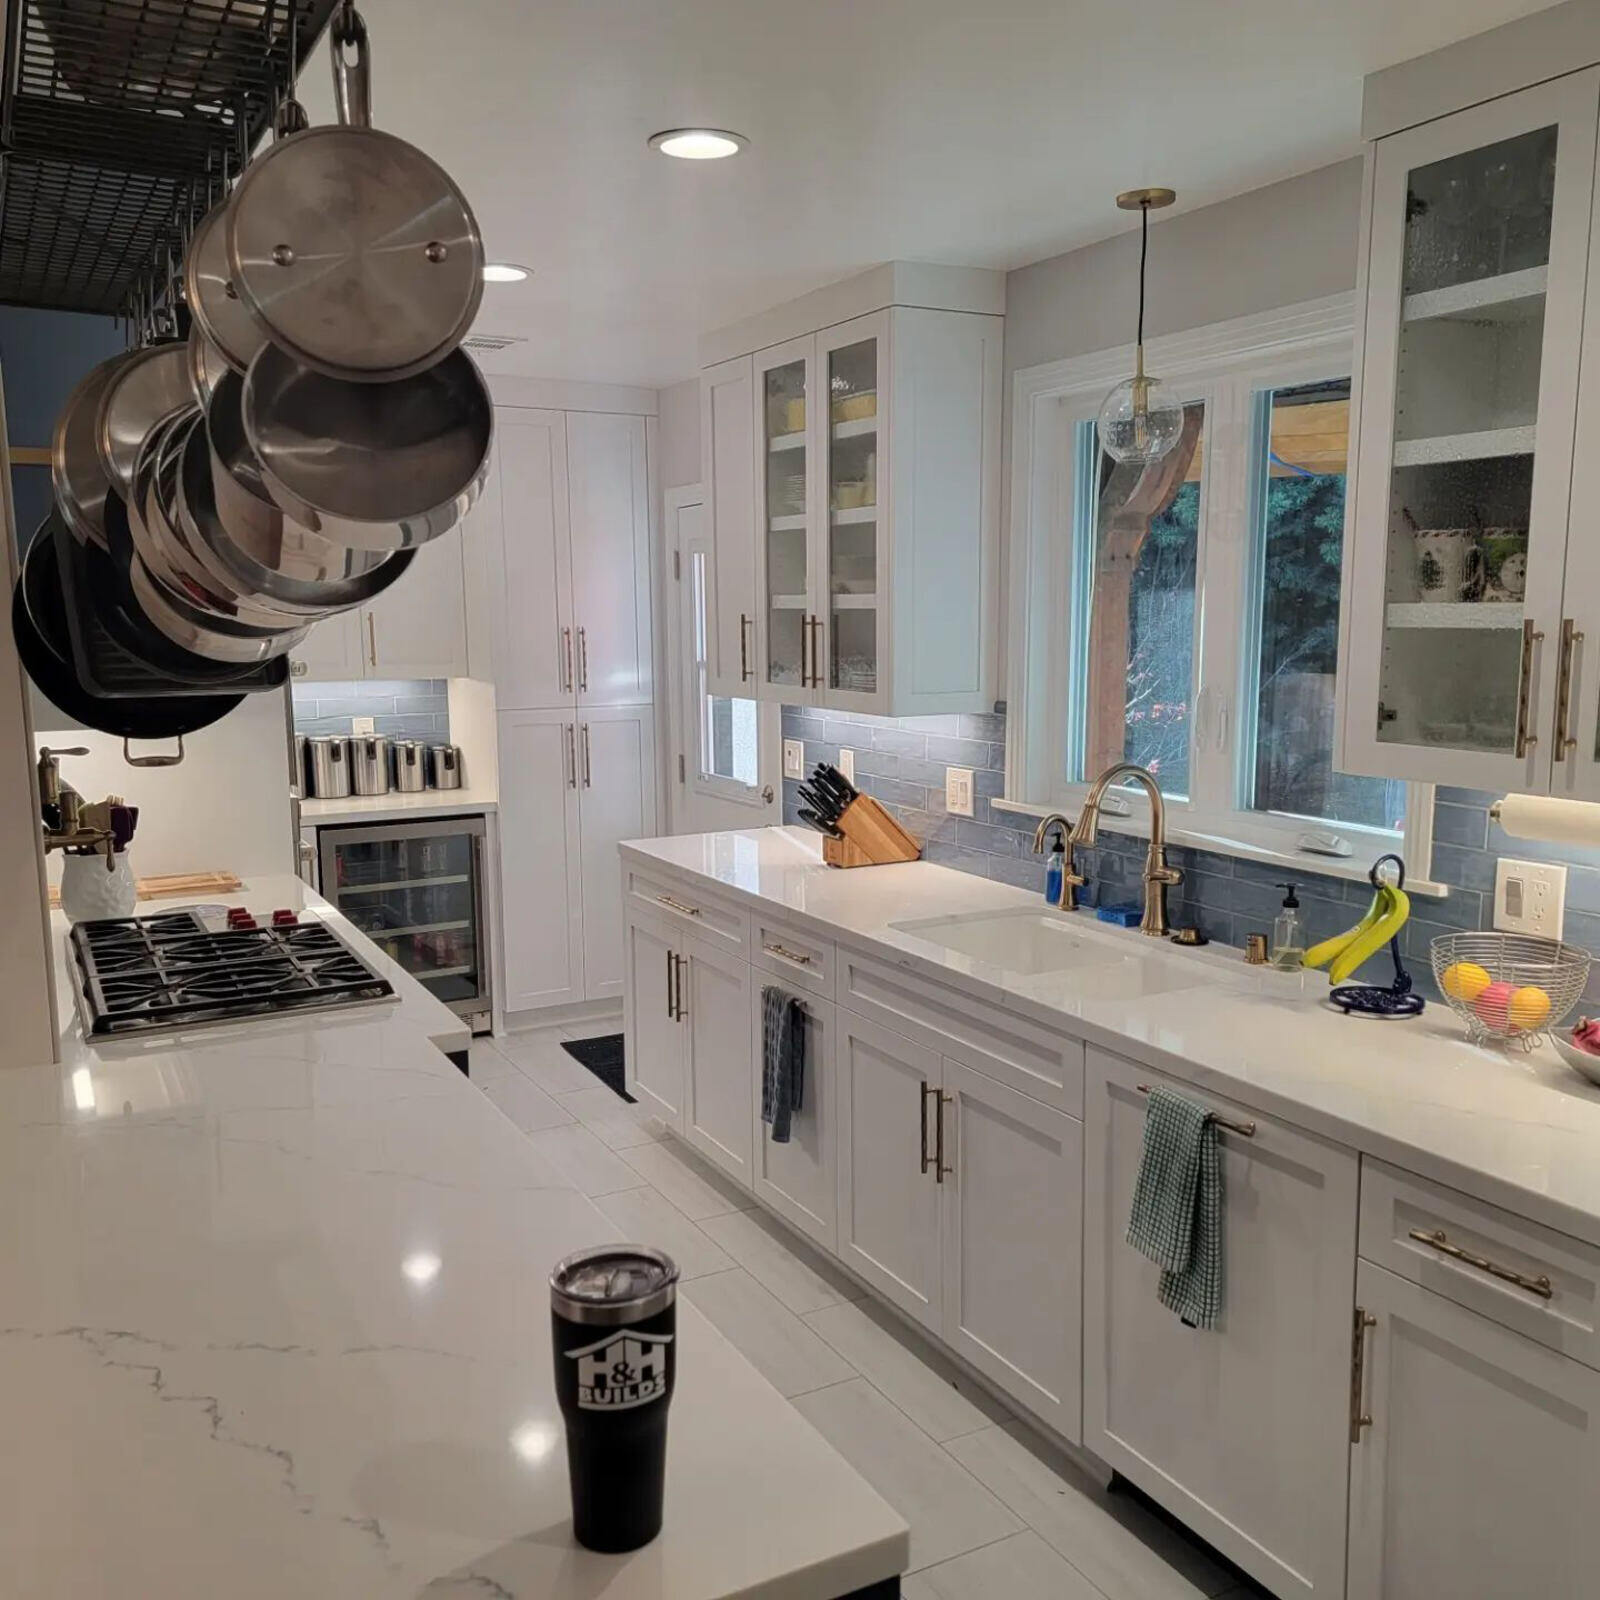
column 783, row 1061
column 1177, row 1206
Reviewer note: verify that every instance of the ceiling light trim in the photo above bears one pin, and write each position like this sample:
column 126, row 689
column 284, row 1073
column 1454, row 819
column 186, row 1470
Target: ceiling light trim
column 736, row 143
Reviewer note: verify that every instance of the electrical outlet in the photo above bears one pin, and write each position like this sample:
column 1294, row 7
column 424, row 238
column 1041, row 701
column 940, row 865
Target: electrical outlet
column 847, row 765
column 1530, row 897
column 794, row 758
column 361, row 725
column 958, row 791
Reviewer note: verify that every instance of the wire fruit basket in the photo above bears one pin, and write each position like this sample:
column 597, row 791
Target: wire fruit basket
column 1509, row 987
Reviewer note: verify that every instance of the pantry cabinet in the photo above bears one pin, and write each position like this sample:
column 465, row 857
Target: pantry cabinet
column 1471, row 649
column 728, row 452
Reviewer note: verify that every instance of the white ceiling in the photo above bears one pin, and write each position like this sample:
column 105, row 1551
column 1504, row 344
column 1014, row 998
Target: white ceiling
column 982, row 132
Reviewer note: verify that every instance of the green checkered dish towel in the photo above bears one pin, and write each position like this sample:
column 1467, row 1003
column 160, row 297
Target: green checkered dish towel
column 1177, row 1206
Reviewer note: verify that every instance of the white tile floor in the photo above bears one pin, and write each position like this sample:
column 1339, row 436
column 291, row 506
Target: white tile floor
column 994, row 1510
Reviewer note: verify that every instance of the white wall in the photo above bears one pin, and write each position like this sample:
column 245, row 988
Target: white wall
column 678, row 413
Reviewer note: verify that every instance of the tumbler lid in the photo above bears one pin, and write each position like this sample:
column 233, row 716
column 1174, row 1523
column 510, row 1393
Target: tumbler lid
column 610, row 1284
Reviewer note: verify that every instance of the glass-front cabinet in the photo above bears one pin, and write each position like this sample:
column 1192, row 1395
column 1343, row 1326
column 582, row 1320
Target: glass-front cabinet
column 1462, row 653
column 783, row 394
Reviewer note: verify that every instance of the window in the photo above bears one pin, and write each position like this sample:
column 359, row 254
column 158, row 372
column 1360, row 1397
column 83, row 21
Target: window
column 727, row 738
column 1184, row 616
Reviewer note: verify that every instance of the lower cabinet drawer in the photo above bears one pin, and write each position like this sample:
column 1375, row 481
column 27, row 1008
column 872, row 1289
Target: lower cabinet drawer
column 799, row 959
column 684, row 906
column 1525, row 1276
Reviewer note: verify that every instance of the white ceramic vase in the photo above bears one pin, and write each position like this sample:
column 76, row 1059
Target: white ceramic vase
column 90, row 893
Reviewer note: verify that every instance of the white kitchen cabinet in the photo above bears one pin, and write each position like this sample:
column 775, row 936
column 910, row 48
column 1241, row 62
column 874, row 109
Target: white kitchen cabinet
column 799, row 1179
column 719, row 1074
column 1475, row 1476
column 652, row 1041
column 1241, row 1431
column 728, row 461
column 1470, row 566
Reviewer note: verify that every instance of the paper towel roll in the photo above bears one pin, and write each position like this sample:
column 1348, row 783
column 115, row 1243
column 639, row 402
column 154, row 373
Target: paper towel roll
column 1533, row 816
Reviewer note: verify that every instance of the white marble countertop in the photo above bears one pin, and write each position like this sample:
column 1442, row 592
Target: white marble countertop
column 274, row 1321
column 382, row 807
column 1518, row 1130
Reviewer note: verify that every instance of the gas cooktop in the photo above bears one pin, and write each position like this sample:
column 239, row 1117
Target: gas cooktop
column 173, row 971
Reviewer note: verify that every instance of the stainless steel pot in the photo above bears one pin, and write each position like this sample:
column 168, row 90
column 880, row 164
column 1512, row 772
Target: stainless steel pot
column 444, row 766
column 369, row 763
column 77, row 474
column 410, row 766
column 219, row 315
column 153, row 386
column 198, row 629
column 328, row 766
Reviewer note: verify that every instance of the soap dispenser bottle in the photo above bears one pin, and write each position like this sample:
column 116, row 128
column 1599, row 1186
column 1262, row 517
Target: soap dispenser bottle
column 1055, row 870
column 1289, row 933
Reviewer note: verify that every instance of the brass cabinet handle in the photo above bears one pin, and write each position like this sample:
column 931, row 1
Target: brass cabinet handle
column 811, row 626
column 1438, row 1239
column 1531, row 636
column 746, row 671
column 1566, row 740
column 680, row 962
column 1245, row 1130
column 372, row 640
column 1359, row 1417
column 788, row 955
column 922, row 1109
column 572, row 760
column 672, row 1010
column 566, row 660
column 940, row 1170
column 677, row 905
column 583, row 660
column 586, row 780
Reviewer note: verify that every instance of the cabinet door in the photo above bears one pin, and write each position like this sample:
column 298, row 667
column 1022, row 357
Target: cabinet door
column 799, row 1179
column 888, row 1190
column 617, row 800
column 728, row 455
column 652, row 1035
column 1475, row 1478
column 719, row 1071
column 418, row 628
column 530, row 562
column 1241, row 1431
column 787, row 431
column 541, row 894
column 331, row 652
column 853, row 365
column 1013, row 1243
column 610, row 510
column 1479, row 243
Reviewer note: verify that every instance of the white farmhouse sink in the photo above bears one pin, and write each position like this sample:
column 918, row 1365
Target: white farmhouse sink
column 1023, row 941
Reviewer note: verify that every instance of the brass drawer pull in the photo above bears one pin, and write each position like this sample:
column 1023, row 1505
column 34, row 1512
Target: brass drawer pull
column 1526, row 740
column 1245, row 1130
column 672, row 1006
column 1359, row 1417
column 788, row 955
column 1439, row 1240
column 677, row 905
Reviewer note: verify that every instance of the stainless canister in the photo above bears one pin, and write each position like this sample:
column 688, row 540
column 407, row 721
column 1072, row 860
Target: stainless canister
column 328, row 767
column 444, row 766
column 369, row 763
column 410, row 765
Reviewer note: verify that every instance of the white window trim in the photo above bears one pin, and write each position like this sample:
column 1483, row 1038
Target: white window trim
column 1221, row 364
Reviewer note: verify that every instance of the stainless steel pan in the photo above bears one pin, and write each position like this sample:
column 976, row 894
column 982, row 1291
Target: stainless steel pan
column 77, row 473
column 151, row 387
column 355, row 252
column 198, row 630
column 379, row 466
column 206, row 364
column 219, row 315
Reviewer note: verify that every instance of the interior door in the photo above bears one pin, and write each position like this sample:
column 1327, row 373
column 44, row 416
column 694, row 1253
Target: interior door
column 541, row 899
column 1013, row 1243
column 888, row 1191
column 610, row 510
column 653, row 1035
column 728, row 452
column 617, row 801
column 799, row 1179
column 418, row 628
column 719, row 1071
column 1475, row 1477
column 530, row 564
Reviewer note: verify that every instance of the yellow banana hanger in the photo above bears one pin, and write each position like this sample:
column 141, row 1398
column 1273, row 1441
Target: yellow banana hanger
column 1344, row 954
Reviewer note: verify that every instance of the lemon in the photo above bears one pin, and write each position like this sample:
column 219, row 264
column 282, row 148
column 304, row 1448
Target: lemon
column 1529, row 1008
column 1466, row 980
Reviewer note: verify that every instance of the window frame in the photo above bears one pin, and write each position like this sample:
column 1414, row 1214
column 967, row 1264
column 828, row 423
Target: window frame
column 1226, row 365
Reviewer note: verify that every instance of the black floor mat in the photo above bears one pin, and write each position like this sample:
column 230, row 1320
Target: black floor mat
column 603, row 1057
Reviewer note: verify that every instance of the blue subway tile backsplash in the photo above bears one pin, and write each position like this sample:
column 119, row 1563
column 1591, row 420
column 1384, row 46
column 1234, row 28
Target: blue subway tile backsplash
column 902, row 763
column 402, row 708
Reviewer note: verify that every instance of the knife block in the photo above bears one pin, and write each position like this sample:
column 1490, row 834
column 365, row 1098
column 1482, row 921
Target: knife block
column 872, row 838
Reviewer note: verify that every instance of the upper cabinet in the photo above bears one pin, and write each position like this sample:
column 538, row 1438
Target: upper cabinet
column 855, row 502
column 1471, row 652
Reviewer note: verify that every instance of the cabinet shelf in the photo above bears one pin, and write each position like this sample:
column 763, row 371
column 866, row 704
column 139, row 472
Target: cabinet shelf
column 848, row 514
column 1510, row 297
column 787, row 441
column 855, row 602
column 1446, row 447
column 789, row 602
column 794, row 524
column 1456, row 614
column 858, row 429
column 345, row 890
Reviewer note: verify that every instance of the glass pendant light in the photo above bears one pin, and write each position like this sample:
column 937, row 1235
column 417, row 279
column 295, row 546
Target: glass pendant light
column 1139, row 420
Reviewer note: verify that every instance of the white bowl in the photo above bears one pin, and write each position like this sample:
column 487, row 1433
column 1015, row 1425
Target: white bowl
column 1579, row 1060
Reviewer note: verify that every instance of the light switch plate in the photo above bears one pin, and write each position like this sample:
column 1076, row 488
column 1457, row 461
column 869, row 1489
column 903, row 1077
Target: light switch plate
column 847, row 765
column 794, row 758
column 1529, row 897
column 361, row 725
column 958, row 791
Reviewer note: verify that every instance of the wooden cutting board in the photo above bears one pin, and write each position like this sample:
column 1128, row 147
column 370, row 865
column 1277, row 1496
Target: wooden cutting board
column 178, row 885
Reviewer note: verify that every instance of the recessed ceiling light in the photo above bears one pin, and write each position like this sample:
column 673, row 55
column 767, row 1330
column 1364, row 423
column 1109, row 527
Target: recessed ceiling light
column 698, row 144
column 504, row 272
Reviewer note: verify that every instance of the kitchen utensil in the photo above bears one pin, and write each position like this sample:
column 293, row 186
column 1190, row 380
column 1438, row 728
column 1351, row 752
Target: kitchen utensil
column 353, row 250
column 201, row 631
column 77, row 474
column 410, row 765
column 206, row 364
column 220, row 317
column 1581, row 1061
column 1533, row 983
column 369, row 764
column 868, row 837
column 812, row 820
column 376, row 466
column 153, row 385
column 328, row 766
column 444, row 766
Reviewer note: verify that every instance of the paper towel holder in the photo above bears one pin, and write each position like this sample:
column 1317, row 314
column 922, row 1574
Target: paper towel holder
column 1548, row 817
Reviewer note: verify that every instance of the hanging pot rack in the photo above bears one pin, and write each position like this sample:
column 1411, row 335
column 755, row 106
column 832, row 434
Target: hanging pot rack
column 119, row 120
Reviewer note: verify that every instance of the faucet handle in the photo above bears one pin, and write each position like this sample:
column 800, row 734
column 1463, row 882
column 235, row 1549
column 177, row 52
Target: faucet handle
column 1162, row 873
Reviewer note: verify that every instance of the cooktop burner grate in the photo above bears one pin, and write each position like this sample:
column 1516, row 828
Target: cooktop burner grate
column 171, row 971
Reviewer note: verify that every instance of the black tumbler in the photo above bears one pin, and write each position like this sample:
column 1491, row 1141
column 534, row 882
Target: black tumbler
column 614, row 1315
